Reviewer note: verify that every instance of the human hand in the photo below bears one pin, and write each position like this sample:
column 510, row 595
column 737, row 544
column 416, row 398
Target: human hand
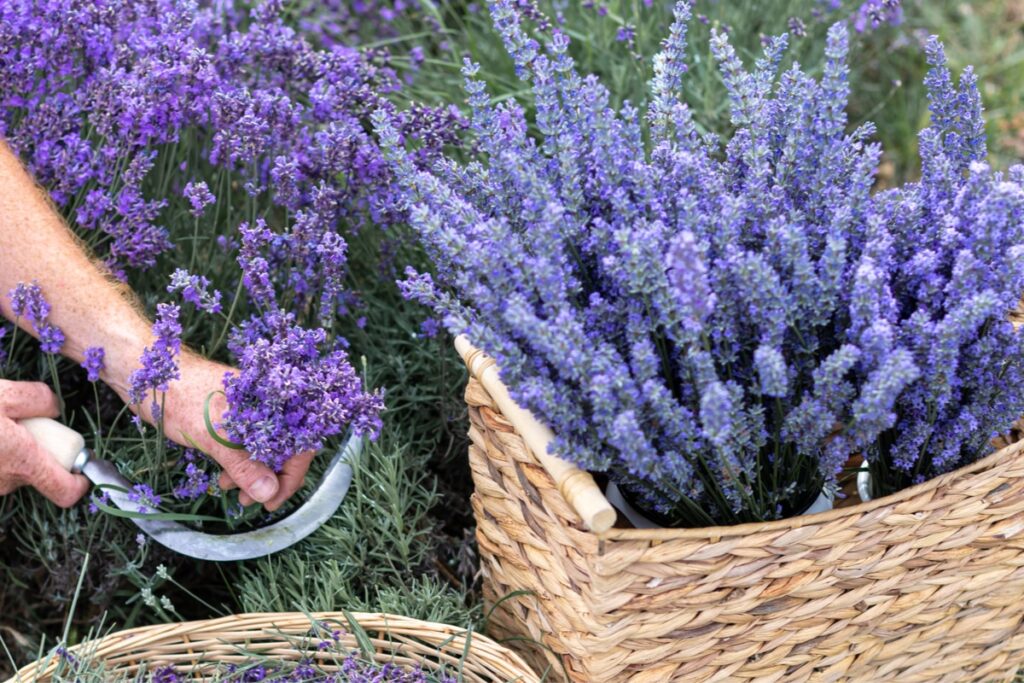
column 23, row 462
column 185, row 423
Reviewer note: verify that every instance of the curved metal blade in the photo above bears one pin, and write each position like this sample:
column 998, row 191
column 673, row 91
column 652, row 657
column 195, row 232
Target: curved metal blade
column 317, row 509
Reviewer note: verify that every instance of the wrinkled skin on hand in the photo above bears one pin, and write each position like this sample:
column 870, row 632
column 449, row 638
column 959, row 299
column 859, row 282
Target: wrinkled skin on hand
column 185, row 423
column 22, row 461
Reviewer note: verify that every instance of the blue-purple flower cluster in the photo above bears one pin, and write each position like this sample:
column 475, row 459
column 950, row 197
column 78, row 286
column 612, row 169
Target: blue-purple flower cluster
column 94, row 94
column 195, row 289
column 197, row 481
column 721, row 323
column 344, row 23
column 145, row 498
column 93, row 363
column 874, row 13
column 294, row 389
column 295, row 386
column 948, row 249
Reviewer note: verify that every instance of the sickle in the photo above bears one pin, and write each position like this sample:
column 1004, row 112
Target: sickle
column 68, row 448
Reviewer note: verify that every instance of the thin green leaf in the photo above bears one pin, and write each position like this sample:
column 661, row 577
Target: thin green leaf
column 211, row 430
column 359, row 633
column 156, row 516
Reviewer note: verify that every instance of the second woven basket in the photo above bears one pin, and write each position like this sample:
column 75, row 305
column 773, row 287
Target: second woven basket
column 202, row 645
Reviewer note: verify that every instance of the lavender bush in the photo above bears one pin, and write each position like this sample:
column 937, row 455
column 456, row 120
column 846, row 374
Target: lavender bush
column 93, row 92
column 721, row 324
column 260, row 125
column 163, row 130
column 407, row 512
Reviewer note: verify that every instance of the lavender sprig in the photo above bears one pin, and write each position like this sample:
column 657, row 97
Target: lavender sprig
column 159, row 365
column 27, row 301
column 94, row 362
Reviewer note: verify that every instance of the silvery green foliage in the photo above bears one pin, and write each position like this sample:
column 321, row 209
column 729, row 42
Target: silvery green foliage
column 720, row 324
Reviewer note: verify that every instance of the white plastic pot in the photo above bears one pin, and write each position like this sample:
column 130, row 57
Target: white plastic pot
column 822, row 503
column 864, row 483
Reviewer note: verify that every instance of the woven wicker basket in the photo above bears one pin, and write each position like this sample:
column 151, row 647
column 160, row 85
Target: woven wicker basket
column 196, row 644
column 926, row 585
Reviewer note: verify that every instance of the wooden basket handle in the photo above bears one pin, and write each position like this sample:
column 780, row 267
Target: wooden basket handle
column 576, row 486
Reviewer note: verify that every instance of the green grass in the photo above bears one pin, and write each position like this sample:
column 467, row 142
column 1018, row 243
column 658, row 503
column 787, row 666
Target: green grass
column 402, row 540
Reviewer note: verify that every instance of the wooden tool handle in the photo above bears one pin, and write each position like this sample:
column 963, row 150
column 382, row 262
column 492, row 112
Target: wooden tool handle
column 63, row 443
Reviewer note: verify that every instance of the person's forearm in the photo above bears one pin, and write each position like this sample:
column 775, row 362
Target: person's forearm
column 94, row 310
column 91, row 308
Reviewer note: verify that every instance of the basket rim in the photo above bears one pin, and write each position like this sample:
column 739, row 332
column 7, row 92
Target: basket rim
column 238, row 628
column 485, row 370
column 800, row 521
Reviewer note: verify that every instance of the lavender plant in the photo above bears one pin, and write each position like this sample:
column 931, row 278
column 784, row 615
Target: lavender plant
column 873, row 13
column 260, row 121
column 93, row 112
column 159, row 128
column 332, row 23
column 720, row 324
column 28, row 302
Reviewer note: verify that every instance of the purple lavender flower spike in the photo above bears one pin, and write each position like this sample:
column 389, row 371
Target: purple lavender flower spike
column 197, row 482
column 716, row 414
column 159, row 361
column 771, row 369
column 93, row 362
column 51, row 338
column 688, row 279
column 873, row 13
column 144, row 496
column 27, row 302
column 199, row 197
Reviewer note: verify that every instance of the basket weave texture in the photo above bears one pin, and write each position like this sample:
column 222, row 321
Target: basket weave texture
column 926, row 585
column 233, row 639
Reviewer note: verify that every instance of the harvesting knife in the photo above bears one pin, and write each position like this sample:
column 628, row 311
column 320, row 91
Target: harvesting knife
column 68, row 447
